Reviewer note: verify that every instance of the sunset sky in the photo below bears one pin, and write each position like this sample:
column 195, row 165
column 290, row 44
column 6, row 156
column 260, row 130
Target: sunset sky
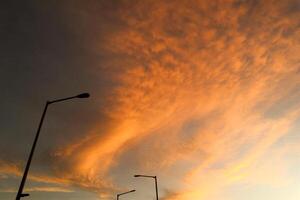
column 203, row 94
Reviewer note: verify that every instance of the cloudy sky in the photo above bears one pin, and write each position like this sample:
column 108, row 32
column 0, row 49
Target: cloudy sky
column 202, row 93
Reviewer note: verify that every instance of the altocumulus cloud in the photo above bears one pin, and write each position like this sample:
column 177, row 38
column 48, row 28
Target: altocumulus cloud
column 201, row 90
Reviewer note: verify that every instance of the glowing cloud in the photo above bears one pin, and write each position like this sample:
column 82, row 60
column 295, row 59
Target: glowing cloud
column 201, row 90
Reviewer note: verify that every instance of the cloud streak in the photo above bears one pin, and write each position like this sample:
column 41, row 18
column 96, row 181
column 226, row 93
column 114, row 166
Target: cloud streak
column 201, row 90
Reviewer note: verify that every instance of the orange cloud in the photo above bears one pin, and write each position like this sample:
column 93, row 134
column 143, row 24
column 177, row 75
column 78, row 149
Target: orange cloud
column 199, row 91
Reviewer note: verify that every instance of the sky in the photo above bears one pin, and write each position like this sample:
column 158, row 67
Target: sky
column 203, row 94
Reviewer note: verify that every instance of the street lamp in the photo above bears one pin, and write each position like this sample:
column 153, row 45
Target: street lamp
column 20, row 191
column 118, row 195
column 155, row 179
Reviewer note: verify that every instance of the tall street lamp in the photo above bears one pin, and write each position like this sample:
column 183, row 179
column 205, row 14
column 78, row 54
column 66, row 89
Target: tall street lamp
column 118, row 195
column 20, row 191
column 155, row 179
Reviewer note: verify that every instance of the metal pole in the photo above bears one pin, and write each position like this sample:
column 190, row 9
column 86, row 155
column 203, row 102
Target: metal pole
column 155, row 179
column 118, row 195
column 156, row 187
column 19, row 194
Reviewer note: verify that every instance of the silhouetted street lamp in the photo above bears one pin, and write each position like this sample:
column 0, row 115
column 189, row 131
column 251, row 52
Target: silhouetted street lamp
column 155, row 178
column 20, row 191
column 118, row 195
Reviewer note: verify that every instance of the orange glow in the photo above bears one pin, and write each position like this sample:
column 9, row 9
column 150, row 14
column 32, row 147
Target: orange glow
column 200, row 86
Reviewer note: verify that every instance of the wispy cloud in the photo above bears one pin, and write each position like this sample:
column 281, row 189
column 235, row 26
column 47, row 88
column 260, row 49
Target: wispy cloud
column 202, row 89
column 40, row 189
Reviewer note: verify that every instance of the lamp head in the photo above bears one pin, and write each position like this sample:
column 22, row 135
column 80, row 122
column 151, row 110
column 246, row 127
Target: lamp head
column 83, row 95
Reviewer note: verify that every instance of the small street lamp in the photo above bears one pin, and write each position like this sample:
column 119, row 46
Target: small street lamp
column 155, row 179
column 20, row 193
column 118, row 195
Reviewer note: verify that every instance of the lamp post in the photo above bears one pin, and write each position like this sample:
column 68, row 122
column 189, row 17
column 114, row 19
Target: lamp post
column 20, row 191
column 155, row 179
column 118, row 195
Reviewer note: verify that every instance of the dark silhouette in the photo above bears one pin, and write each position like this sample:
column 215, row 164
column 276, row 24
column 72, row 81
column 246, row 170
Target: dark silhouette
column 118, row 195
column 155, row 178
column 20, row 191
